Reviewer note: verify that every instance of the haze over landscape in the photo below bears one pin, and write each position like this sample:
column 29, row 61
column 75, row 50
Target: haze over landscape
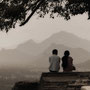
column 24, row 51
column 39, row 29
column 35, row 55
column 32, row 44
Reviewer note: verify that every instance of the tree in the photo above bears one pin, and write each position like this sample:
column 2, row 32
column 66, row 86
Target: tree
column 16, row 11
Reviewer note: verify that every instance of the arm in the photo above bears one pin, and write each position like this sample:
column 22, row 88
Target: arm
column 59, row 59
column 49, row 59
column 71, row 61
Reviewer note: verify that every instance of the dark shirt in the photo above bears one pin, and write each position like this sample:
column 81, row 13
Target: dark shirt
column 69, row 67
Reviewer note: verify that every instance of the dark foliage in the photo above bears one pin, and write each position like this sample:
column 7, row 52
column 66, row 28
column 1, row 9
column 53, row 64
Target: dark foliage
column 14, row 11
column 25, row 86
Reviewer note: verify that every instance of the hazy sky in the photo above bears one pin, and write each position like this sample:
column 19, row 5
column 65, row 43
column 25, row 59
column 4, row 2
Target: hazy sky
column 38, row 29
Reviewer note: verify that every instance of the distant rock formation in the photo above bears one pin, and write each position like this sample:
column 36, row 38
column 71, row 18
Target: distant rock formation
column 27, row 54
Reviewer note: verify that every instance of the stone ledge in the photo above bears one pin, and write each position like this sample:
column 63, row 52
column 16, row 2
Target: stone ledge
column 57, row 81
column 64, row 80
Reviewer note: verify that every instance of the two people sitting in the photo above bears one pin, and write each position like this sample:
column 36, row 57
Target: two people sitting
column 67, row 62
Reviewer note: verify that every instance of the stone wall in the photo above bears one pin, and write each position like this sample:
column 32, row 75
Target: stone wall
column 64, row 81
column 57, row 81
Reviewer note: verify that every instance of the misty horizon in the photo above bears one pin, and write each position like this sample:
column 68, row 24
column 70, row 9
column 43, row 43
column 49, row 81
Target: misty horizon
column 33, row 41
column 40, row 29
column 30, row 54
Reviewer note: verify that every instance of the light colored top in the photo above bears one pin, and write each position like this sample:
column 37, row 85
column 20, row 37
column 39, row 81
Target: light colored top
column 54, row 63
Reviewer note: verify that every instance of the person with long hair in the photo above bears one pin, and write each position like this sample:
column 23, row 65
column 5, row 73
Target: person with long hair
column 67, row 62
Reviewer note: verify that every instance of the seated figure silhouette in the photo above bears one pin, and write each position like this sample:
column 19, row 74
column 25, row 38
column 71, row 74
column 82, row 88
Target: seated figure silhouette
column 54, row 61
column 67, row 62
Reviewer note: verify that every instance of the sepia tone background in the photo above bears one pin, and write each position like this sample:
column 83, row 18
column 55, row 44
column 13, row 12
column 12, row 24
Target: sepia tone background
column 24, row 51
column 31, row 45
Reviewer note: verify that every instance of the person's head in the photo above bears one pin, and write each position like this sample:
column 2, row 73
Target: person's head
column 55, row 51
column 66, row 53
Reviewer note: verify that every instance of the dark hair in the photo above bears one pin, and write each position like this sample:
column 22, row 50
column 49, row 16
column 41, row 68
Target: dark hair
column 66, row 53
column 65, row 59
column 55, row 51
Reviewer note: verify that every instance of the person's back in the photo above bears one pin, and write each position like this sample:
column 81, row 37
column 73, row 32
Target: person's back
column 54, row 62
column 67, row 62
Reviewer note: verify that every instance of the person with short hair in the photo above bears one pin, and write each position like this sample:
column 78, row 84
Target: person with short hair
column 67, row 62
column 54, row 61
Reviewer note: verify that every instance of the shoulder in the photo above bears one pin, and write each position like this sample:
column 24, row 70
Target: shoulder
column 70, row 58
column 51, row 57
column 54, row 56
column 58, row 57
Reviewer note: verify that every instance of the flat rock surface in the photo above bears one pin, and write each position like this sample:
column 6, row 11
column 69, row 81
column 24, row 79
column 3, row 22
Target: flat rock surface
column 64, row 80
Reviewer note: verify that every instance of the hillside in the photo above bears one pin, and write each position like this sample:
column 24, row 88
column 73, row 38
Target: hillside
column 62, row 38
column 35, row 55
column 79, row 55
column 85, row 66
